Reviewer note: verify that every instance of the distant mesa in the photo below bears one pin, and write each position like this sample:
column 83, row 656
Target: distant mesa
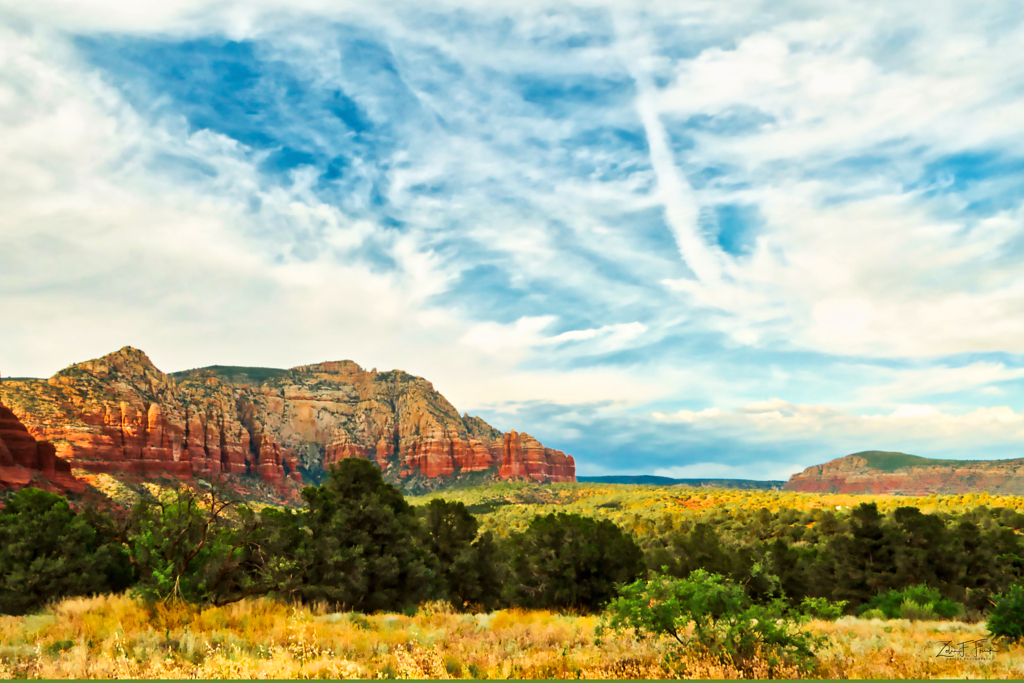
column 881, row 472
column 120, row 415
column 652, row 480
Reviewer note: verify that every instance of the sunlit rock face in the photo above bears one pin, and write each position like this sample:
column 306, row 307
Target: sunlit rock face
column 881, row 472
column 119, row 413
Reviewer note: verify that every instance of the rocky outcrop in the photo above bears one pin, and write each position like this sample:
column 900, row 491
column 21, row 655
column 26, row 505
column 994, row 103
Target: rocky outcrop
column 120, row 414
column 24, row 461
column 880, row 472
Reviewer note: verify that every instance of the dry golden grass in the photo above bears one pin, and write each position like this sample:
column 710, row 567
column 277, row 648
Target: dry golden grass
column 114, row 637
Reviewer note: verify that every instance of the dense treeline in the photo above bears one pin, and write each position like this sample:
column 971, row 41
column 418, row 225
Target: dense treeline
column 359, row 545
column 854, row 557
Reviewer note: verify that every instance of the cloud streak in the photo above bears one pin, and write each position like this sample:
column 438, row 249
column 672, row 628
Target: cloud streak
column 789, row 233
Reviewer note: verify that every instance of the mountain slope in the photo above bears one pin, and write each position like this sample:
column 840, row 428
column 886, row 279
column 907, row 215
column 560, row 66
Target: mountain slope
column 901, row 473
column 120, row 414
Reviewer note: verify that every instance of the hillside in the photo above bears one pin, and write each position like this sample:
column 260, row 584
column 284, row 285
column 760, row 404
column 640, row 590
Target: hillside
column 883, row 472
column 120, row 415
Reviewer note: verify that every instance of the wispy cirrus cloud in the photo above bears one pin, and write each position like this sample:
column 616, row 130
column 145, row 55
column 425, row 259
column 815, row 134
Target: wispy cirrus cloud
column 575, row 215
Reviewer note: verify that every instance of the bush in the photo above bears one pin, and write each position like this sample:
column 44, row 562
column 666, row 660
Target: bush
column 48, row 551
column 467, row 565
column 725, row 624
column 822, row 608
column 571, row 562
column 914, row 602
column 914, row 612
column 186, row 548
column 1006, row 620
column 362, row 551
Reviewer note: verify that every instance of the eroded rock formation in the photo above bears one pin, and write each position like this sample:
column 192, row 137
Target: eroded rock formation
column 24, row 461
column 880, row 472
column 120, row 414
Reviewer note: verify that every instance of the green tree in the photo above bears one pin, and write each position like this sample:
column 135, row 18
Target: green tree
column 47, row 551
column 864, row 560
column 186, row 547
column 1006, row 620
column 571, row 562
column 701, row 548
column 363, row 549
column 468, row 566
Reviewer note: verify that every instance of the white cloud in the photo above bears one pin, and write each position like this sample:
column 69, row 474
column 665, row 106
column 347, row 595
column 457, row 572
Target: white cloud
column 907, row 426
column 104, row 245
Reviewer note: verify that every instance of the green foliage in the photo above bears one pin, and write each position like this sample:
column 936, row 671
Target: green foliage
column 914, row 602
column 967, row 551
column 362, row 548
column 1006, row 620
column 571, row 562
column 468, row 565
column 47, row 551
column 233, row 373
column 186, row 548
column 890, row 461
column 822, row 608
column 725, row 623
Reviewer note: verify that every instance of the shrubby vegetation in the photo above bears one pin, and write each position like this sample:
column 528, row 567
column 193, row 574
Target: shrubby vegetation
column 718, row 589
column 360, row 545
column 48, row 551
column 568, row 561
column 726, row 625
column 1006, row 620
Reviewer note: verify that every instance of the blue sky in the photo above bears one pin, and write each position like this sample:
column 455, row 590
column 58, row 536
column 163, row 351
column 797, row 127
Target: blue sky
column 718, row 239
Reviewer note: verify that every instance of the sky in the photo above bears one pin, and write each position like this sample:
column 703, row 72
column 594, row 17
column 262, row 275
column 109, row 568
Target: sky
column 719, row 238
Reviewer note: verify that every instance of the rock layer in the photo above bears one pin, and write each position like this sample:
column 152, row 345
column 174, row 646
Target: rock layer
column 878, row 472
column 25, row 461
column 120, row 414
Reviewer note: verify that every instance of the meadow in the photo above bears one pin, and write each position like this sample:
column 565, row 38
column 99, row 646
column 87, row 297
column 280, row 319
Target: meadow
column 114, row 637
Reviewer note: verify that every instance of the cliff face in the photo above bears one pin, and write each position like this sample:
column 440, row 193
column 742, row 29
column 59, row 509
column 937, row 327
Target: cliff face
column 24, row 461
column 120, row 414
column 898, row 473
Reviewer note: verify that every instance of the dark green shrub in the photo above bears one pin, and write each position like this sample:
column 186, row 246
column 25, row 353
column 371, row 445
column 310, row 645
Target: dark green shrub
column 362, row 550
column 1006, row 620
column 467, row 566
column 47, row 551
column 571, row 562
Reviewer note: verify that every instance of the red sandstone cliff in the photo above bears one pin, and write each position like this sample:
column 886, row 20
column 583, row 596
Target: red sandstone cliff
column 24, row 461
column 120, row 414
column 881, row 472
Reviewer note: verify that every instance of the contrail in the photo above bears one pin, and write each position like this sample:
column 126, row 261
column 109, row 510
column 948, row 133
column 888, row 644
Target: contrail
column 675, row 193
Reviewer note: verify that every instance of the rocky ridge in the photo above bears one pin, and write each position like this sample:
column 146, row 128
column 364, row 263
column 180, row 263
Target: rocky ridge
column 119, row 414
column 882, row 472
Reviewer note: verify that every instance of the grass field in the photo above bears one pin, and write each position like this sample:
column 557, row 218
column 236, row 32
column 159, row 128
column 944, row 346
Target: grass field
column 114, row 637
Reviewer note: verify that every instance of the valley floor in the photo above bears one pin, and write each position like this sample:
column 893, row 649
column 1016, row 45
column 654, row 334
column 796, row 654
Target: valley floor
column 113, row 637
